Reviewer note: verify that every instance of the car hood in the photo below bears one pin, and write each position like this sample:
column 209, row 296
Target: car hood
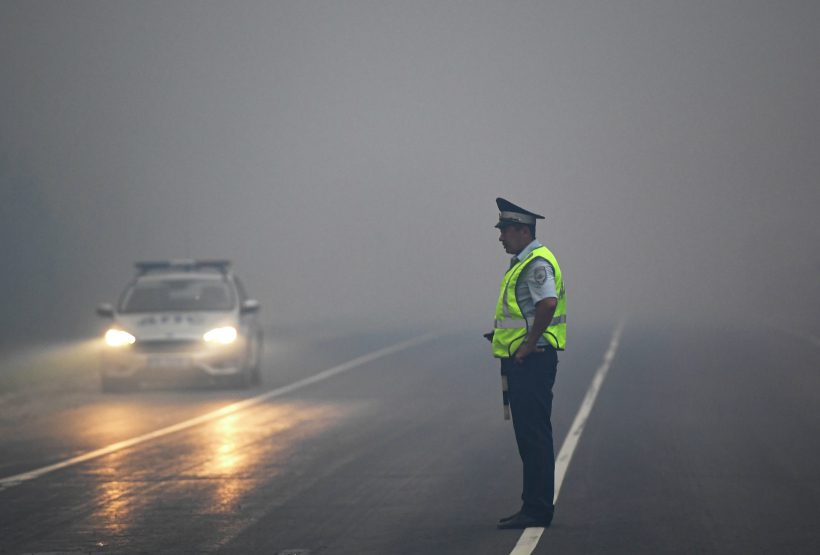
column 174, row 325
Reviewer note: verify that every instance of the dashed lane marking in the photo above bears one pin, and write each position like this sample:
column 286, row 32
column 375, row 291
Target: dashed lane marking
column 529, row 539
column 235, row 407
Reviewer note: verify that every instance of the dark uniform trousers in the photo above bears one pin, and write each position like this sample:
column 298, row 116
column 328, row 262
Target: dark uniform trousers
column 529, row 388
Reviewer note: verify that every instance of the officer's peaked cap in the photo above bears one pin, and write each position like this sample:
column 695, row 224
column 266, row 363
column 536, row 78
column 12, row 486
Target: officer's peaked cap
column 510, row 214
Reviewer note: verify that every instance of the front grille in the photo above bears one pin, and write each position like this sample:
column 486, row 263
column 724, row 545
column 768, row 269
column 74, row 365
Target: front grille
column 169, row 346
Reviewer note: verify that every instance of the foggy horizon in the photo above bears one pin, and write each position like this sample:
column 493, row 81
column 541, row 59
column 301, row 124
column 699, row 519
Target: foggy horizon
column 347, row 156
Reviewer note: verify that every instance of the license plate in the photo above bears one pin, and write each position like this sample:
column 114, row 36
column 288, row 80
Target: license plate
column 168, row 363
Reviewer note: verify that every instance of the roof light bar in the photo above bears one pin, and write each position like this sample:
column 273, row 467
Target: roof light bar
column 183, row 265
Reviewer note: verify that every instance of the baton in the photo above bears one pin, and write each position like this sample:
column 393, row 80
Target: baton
column 505, row 396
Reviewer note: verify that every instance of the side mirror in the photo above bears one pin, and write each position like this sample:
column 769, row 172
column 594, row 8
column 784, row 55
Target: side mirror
column 106, row 310
column 249, row 306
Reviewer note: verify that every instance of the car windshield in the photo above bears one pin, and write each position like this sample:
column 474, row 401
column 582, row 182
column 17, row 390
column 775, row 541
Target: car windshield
column 177, row 295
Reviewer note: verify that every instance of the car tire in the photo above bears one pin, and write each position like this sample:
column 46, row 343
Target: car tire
column 242, row 380
column 256, row 368
column 117, row 385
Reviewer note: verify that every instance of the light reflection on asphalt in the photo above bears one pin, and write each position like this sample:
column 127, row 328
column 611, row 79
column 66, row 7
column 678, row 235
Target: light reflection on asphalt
column 208, row 471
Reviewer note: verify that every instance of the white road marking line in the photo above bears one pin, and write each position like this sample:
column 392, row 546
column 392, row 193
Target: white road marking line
column 529, row 539
column 30, row 475
column 571, row 441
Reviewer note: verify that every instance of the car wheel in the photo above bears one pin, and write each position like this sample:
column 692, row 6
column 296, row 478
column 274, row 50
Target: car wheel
column 256, row 376
column 242, row 380
column 256, row 365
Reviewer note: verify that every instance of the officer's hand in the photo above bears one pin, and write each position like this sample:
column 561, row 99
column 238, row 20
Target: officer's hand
column 524, row 351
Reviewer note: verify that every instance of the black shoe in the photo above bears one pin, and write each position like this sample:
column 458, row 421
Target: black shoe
column 524, row 521
column 509, row 518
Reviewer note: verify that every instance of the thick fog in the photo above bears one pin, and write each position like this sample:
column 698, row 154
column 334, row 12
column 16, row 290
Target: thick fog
column 347, row 155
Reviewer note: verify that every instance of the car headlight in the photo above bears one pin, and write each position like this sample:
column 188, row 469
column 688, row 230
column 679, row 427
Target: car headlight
column 117, row 338
column 222, row 335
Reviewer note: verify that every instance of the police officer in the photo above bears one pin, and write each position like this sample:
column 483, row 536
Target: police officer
column 530, row 329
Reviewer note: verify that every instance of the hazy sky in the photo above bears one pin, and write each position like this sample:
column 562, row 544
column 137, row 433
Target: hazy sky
column 347, row 155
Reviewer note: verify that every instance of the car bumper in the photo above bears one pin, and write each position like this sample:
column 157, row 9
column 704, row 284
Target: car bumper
column 188, row 363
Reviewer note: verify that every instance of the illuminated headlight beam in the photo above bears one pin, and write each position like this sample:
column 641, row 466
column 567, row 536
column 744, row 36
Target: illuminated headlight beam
column 117, row 338
column 222, row 335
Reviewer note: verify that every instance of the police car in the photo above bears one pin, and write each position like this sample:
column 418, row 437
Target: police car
column 182, row 320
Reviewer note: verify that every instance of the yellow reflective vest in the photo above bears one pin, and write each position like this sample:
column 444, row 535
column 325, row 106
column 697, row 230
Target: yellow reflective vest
column 511, row 327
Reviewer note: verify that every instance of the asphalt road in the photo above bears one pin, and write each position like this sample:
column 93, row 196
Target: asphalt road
column 700, row 441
